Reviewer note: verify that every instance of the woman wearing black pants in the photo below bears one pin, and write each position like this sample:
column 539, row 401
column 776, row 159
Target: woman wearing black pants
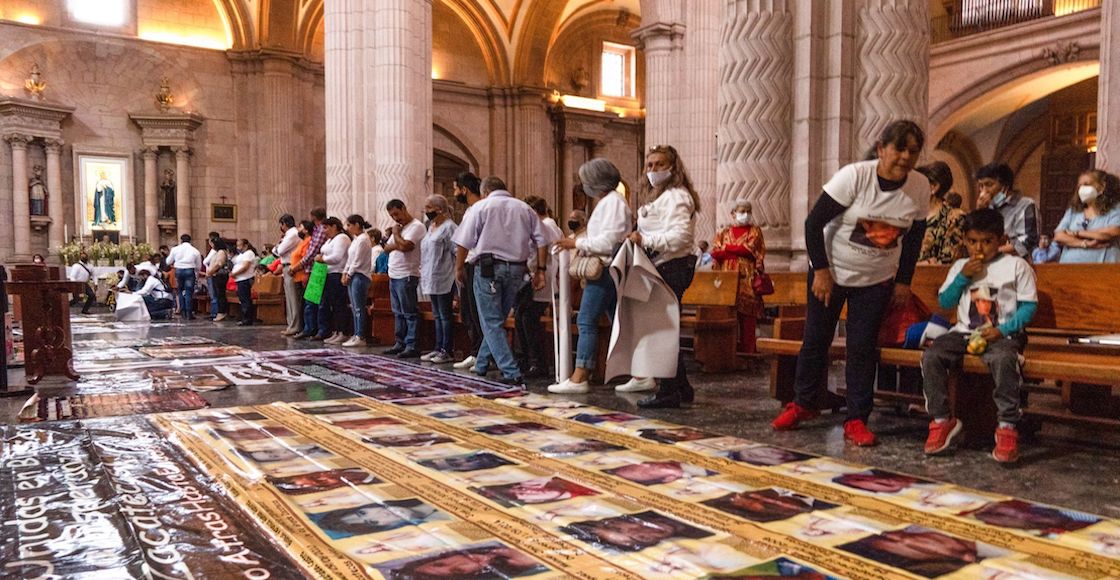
column 666, row 231
column 863, row 238
column 242, row 273
column 335, row 317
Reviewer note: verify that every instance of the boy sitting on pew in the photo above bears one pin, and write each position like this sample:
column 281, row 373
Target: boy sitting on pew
column 996, row 298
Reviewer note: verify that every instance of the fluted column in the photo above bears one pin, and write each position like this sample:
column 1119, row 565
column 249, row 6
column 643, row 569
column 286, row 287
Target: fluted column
column 21, row 207
column 700, row 108
column 662, row 44
column 892, row 74
column 183, row 190
column 344, row 122
column 755, row 113
column 53, row 149
column 1108, row 101
column 151, row 203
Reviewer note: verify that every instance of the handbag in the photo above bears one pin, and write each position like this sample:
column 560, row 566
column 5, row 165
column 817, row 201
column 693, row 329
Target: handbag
column 231, row 285
column 763, row 284
column 585, row 267
column 898, row 320
column 315, row 283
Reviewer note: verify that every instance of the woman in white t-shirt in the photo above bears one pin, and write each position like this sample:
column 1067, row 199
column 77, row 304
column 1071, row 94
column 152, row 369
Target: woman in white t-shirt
column 334, row 319
column 355, row 276
column 863, row 238
column 242, row 273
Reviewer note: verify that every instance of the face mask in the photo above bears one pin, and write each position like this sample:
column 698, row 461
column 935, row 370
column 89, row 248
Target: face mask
column 742, row 218
column 431, row 215
column 656, row 178
column 1087, row 193
column 574, row 225
column 999, row 199
column 461, row 198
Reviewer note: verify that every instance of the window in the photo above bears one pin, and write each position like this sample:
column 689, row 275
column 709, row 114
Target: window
column 617, row 71
column 110, row 13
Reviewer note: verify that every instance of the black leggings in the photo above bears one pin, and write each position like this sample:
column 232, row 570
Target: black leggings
column 245, row 298
column 678, row 275
column 866, row 307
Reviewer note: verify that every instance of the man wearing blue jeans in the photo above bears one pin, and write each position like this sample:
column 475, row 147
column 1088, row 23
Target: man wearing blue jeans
column 403, row 246
column 503, row 231
column 186, row 261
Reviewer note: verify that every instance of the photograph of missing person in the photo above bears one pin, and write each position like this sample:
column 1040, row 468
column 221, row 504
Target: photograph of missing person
column 511, row 428
column 323, row 480
column 376, row 517
column 922, row 551
column 467, row 462
column 658, row 472
column 766, row 456
column 273, row 454
column 632, row 532
column 258, row 434
column 457, row 413
column 879, row 481
column 489, row 561
column 333, row 409
column 875, row 234
column 409, row 440
column 1041, row 520
column 596, row 418
column 534, row 491
column 579, row 448
column 674, row 435
column 778, row 568
column 767, row 505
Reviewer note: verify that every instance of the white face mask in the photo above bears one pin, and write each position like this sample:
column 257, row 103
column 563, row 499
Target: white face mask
column 1087, row 193
column 742, row 218
column 656, row 178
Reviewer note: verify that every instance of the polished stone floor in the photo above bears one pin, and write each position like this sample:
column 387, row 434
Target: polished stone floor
column 1065, row 466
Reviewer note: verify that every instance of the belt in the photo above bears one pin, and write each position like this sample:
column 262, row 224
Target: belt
column 509, row 263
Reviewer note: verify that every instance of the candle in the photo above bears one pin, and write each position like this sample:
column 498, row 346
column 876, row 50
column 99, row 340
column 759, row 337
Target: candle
column 65, row 233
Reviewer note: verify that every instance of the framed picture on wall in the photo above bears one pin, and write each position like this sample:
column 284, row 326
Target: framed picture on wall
column 223, row 212
column 103, row 191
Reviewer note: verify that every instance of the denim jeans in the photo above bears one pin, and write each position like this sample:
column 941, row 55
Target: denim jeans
column 213, row 296
column 333, row 311
column 468, row 310
column 185, row 277
column 866, row 307
column 359, row 294
column 159, row 308
column 310, row 318
column 245, row 298
column 530, row 332
column 441, row 310
column 599, row 298
column 402, row 299
column 219, row 299
column 496, row 297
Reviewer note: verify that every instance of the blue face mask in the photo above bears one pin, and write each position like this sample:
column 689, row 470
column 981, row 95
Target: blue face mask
column 999, row 199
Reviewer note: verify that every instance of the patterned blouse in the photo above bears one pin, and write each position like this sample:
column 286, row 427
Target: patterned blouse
column 944, row 242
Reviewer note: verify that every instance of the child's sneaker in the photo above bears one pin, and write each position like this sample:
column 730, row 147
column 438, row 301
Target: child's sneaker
column 1007, row 445
column 857, row 433
column 792, row 416
column 941, row 434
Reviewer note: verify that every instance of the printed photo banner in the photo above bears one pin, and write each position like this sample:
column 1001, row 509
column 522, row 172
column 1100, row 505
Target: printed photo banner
column 113, row 499
column 656, row 499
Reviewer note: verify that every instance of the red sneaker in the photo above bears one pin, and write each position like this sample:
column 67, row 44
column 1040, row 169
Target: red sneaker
column 1007, row 445
column 856, row 433
column 792, row 416
column 941, row 435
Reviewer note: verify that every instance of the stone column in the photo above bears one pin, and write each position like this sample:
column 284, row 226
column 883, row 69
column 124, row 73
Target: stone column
column 661, row 43
column 755, row 114
column 53, row 149
column 344, row 121
column 892, row 70
column 699, row 109
column 1108, row 100
column 21, row 206
column 183, row 192
column 151, row 197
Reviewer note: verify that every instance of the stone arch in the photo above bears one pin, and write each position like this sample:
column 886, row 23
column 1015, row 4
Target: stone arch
column 575, row 35
column 238, row 18
column 309, row 28
column 487, row 36
column 540, row 20
column 448, row 141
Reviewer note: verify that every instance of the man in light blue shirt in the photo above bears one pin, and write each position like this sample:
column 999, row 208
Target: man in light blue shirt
column 502, row 231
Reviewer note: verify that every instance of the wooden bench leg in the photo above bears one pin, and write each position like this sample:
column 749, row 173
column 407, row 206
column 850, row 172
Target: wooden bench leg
column 970, row 398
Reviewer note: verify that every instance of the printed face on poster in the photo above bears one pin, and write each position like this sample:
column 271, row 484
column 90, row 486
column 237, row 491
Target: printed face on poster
column 104, row 194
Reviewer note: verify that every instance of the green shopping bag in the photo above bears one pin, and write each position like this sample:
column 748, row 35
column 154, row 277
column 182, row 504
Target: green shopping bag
column 315, row 283
column 267, row 260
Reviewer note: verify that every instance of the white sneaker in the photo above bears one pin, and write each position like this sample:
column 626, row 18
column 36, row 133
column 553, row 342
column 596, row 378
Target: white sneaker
column 441, row 358
column 354, row 341
column 636, row 385
column 336, row 338
column 428, row 356
column 567, row 387
column 466, row 363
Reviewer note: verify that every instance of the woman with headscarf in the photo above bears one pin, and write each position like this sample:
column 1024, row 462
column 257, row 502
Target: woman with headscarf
column 607, row 227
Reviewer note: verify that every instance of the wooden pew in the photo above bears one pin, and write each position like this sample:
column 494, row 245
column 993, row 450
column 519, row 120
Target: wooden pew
column 269, row 300
column 1074, row 300
column 709, row 311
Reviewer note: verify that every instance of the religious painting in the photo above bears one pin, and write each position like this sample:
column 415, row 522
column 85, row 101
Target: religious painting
column 223, row 212
column 104, row 189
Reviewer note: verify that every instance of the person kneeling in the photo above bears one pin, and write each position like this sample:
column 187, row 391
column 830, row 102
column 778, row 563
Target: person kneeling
column 996, row 298
column 156, row 296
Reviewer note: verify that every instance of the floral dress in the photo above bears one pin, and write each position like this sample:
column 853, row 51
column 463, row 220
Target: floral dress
column 944, row 242
column 741, row 248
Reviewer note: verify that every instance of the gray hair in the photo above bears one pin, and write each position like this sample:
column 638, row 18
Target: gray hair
column 491, row 184
column 599, row 176
column 437, row 201
column 741, row 202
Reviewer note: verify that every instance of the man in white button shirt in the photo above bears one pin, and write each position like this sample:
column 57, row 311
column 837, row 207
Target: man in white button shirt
column 81, row 271
column 186, row 260
column 156, row 298
column 293, row 302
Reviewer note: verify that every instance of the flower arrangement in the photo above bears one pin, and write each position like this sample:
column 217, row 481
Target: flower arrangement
column 106, row 253
column 70, row 252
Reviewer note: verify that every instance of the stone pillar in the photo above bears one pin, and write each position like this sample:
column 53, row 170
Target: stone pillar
column 183, row 192
column 1108, row 100
column 755, row 114
column 661, row 43
column 892, row 71
column 21, row 206
column 55, row 239
column 344, row 121
column 151, row 197
column 699, row 109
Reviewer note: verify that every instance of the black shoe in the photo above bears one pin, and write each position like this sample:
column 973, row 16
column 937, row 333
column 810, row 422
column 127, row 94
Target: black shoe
column 660, row 401
column 409, row 353
column 244, row 323
column 536, row 372
column 512, row 381
column 85, row 312
column 397, row 349
column 687, row 394
column 474, row 371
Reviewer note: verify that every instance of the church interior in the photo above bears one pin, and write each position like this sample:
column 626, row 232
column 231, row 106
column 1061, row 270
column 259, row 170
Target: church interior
column 191, row 389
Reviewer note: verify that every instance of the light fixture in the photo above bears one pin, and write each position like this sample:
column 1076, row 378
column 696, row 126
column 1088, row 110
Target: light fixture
column 576, row 102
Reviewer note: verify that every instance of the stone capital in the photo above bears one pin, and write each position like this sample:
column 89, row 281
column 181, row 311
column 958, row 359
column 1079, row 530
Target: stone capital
column 660, row 36
column 18, row 140
column 53, row 146
column 181, row 152
column 148, row 152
